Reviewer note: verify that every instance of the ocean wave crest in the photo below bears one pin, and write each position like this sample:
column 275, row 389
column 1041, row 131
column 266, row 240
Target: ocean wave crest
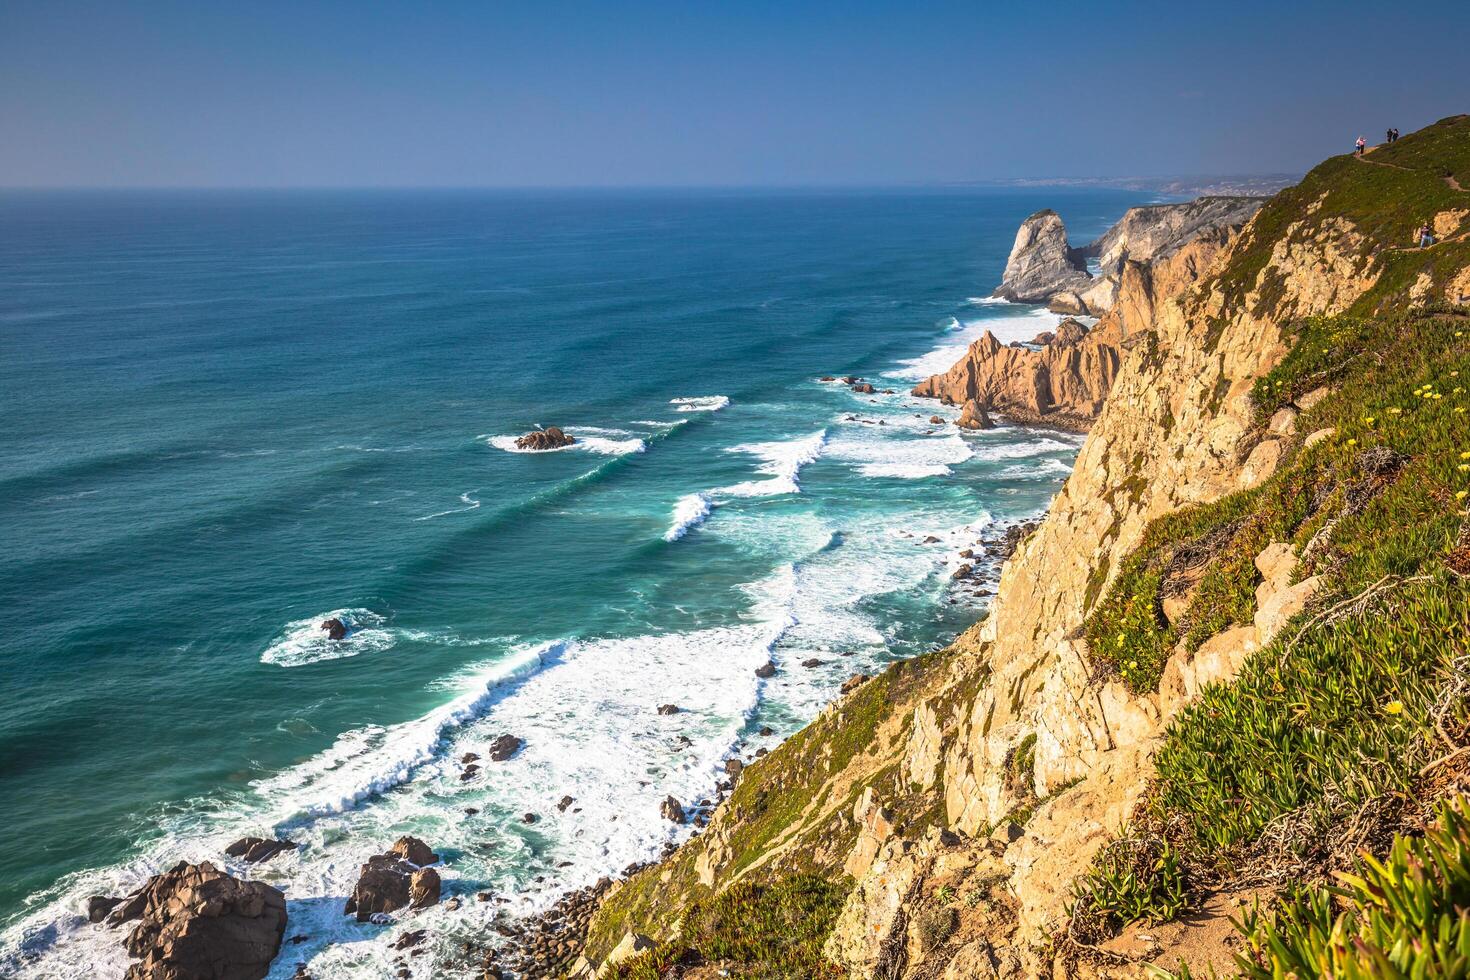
column 782, row 462
column 689, row 511
column 700, row 403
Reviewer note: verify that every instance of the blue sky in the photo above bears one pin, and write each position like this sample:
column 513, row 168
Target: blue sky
column 691, row 93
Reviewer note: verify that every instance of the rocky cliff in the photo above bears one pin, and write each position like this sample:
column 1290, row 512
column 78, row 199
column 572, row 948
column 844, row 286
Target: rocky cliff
column 1044, row 268
column 1065, row 382
column 1232, row 653
column 1145, row 233
column 1042, row 262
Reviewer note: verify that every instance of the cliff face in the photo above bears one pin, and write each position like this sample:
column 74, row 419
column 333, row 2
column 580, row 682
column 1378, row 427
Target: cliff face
column 1066, row 382
column 1042, row 262
column 1044, row 268
column 956, row 805
column 1145, row 233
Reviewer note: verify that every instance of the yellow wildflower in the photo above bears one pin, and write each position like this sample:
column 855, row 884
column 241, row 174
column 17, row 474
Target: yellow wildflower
column 1394, row 707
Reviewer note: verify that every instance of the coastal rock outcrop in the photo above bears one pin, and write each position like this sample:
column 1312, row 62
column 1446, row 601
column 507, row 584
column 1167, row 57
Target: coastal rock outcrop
column 1066, row 381
column 253, row 850
column 542, row 440
column 1145, row 233
column 395, row 880
column 194, row 922
column 1044, row 268
column 1042, row 262
column 334, row 628
column 1064, row 384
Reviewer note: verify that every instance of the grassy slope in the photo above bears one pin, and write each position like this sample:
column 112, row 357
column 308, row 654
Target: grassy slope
column 1319, row 726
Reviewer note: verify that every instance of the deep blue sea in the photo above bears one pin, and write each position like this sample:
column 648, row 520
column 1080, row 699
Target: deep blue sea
column 225, row 417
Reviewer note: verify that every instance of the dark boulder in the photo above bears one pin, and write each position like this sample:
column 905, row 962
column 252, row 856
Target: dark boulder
column 543, row 439
column 767, row 669
column 253, row 850
column 388, row 883
column 414, row 851
column 564, row 802
column 668, row 709
column 504, row 747
column 197, row 923
column 99, row 905
column 864, row 389
column 672, row 809
column 852, row 684
column 336, row 629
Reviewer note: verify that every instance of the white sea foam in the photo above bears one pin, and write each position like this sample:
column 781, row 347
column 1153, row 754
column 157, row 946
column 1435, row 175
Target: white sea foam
column 988, row 301
column 467, row 498
column 369, row 761
column 952, row 347
column 305, row 642
column 905, row 471
column 690, row 510
column 700, row 403
column 876, row 453
column 605, row 442
column 1023, row 450
column 1050, row 468
column 782, row 462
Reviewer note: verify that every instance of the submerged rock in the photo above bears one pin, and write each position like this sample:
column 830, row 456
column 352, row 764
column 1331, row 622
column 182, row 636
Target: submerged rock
column 767, row 669
column 197, row 923
column 335, row 628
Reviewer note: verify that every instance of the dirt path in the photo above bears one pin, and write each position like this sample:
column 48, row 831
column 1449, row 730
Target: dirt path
column 1450, row 181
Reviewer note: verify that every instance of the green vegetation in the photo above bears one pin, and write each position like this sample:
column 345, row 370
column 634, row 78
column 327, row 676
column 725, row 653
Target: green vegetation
column 1385, row 204
column 1134, row 878
column 1400, row 918
column 1403, row 917
column 753, row 932
column 1390, row 514
column 1344, row 707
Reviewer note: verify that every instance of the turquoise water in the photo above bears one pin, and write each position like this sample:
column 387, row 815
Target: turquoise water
column 227, row 416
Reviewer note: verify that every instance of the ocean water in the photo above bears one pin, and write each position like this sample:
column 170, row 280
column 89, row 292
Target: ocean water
column 225, row 417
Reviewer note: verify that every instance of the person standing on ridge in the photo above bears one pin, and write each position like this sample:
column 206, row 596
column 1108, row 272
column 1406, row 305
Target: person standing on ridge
column 1426, row 235
column 1360, row 144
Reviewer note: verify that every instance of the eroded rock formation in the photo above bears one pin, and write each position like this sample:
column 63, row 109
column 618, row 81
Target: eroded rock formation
column 194, row 922
column 1042, row 262
column 1044, row 268
column 395, row 880
column 1066, row 381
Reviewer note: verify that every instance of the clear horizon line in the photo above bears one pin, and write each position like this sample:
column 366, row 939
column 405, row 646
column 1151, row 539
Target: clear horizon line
column 855, row 185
